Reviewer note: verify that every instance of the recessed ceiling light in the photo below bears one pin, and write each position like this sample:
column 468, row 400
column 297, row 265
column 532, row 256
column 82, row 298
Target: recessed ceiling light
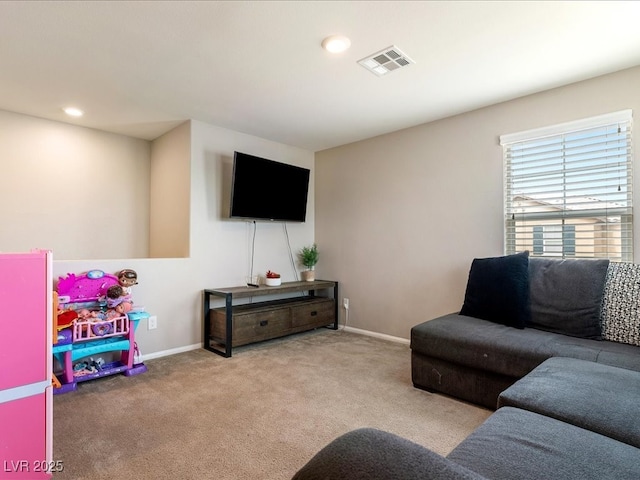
column 336, row 43
column 73, row 112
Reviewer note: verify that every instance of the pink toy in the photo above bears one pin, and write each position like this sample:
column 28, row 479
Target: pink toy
column 85, row 288
column 26, row 406
column 104, row 323
column 101, row 329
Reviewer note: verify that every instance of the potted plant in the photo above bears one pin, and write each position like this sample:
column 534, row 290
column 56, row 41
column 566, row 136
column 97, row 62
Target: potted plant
column 273, row 279
column 309, row 257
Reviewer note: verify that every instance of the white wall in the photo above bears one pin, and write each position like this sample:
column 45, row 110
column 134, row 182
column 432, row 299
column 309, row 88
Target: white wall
column 80, row 192
column 222, row 245
column 400, row 217
column 171, row 288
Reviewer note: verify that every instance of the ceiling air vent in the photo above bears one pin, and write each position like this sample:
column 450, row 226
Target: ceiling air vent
column 385, row 61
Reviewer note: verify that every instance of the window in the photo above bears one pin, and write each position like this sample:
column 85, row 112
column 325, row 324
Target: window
column 554, row 240
column 568, row 189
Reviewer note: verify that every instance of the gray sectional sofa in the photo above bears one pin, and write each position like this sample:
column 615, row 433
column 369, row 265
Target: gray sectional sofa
column 554, row 346
column 561, row 421
column 519, row 311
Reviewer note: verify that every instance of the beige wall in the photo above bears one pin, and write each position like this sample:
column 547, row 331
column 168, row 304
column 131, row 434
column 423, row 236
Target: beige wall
column 170, row 189
column 80, row 192
column 59, row 176
column 400, row 217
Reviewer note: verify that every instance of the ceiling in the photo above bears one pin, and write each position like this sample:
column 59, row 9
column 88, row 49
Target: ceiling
column 141, row 68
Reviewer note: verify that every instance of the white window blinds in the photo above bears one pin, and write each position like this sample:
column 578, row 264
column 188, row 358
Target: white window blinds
column 568, row 189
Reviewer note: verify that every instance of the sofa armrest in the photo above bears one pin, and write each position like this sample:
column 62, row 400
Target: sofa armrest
column 367, row 454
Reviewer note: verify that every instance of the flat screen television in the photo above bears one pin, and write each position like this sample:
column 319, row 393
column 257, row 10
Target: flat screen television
column 264, row 189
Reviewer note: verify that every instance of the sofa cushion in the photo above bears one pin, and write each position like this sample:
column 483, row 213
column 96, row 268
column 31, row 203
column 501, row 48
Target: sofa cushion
column 485, row 345
column 616, row 354
column 368, row 453
column 514, row 443
column 481, row 344
column 498, row 290
column 586, row 394
column 621, row 304
column 566, row 295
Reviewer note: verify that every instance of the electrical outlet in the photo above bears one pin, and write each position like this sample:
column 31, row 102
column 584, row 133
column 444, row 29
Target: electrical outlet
column 345, row 303
column 152, row 322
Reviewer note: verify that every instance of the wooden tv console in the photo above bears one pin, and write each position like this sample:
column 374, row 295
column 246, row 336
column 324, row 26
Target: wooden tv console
column 235, row 325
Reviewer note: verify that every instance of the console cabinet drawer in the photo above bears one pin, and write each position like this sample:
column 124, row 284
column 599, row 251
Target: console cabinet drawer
column 263, row 321
column 258, row 326
column 317, row 313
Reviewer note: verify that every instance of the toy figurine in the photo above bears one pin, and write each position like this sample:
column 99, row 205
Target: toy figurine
column 118, row 299
column 124, row 307
column 127, row 278
column 86, row 315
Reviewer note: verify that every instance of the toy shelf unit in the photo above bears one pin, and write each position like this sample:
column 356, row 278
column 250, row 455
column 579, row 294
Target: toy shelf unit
column 235, row 325
column 90, row 322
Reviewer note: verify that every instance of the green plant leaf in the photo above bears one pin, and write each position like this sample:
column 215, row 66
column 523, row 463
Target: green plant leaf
column 309, row 255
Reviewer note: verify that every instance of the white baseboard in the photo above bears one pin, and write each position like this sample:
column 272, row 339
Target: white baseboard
column 196, row 346
column 172, row 351
column 377, row 335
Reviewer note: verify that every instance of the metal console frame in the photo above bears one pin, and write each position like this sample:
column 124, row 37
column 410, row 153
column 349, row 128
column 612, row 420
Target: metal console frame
column 244, row 292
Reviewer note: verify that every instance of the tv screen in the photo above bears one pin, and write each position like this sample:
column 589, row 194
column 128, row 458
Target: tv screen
column 264, row 189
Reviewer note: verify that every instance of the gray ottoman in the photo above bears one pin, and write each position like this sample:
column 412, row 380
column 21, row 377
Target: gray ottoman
column 590, row 395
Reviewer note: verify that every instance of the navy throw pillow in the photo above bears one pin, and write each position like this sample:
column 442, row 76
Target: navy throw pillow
column 498, row 290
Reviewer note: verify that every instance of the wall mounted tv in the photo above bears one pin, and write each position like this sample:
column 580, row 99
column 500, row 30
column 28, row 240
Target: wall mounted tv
column 264, row 189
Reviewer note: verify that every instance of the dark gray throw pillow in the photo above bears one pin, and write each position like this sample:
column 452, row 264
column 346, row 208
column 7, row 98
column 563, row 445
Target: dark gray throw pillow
column 566, row 295
column 498, row 290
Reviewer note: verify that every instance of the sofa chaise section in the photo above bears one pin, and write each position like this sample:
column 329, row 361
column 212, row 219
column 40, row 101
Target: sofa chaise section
column 592, row 396
column 474, row 359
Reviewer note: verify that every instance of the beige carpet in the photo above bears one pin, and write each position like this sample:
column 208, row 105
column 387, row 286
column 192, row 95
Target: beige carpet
column 258, row 415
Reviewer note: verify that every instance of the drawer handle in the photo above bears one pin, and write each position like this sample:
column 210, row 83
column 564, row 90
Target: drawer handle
column 314, row 313
column 264, row 323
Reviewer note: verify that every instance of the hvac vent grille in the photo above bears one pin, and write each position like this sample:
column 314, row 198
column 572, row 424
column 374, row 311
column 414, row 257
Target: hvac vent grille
column 385, row 61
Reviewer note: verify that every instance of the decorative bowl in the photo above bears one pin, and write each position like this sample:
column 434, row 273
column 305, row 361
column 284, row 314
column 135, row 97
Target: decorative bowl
column 272, row 282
